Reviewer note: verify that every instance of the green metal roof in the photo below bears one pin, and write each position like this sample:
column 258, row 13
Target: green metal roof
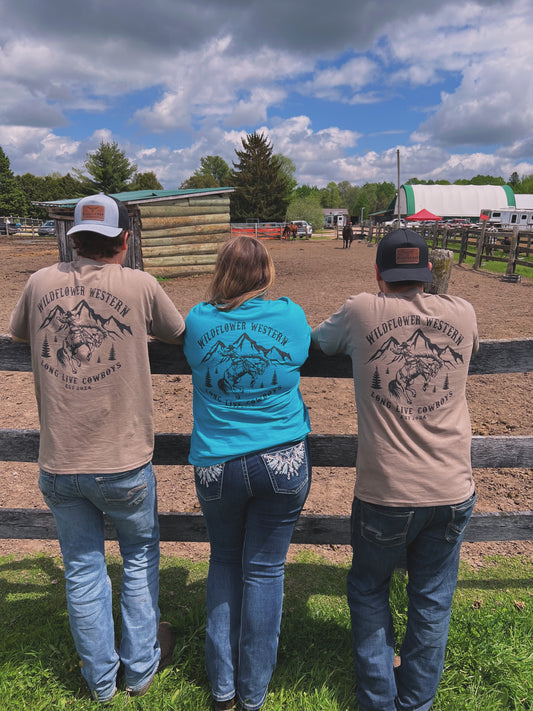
column 135, row 196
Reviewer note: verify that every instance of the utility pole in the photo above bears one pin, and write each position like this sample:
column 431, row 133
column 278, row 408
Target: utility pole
column 398, row 197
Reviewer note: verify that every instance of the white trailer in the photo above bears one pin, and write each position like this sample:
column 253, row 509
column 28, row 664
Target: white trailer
column 509, row 217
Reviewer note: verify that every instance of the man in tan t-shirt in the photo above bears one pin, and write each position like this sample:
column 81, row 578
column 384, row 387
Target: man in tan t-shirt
column 414, row 492
column 87, row 322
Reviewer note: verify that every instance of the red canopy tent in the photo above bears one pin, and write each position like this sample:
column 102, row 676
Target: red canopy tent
column 423, row 216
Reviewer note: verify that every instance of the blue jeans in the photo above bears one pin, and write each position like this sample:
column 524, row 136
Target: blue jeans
column 129, row 499
column 382, row 536
column 251, row 505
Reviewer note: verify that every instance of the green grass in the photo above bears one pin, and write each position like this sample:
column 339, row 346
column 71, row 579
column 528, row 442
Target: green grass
column 498, row 267
column 489, row 662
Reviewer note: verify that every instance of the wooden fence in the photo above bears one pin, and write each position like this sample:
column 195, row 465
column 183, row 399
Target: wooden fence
column 259, row 230
column 479, row 243
column 328, row 450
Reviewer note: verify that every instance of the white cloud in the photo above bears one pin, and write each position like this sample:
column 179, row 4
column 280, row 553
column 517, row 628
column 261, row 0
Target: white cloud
column 208, row 72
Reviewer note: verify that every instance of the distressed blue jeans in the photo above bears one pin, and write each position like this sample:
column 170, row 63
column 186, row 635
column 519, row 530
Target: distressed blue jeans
column 382, row 536
column 78, row 502
column 251, row 505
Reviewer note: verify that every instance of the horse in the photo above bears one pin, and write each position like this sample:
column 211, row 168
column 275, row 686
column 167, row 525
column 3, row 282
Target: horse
column 78, row 336
column 425, row 367
column 241, row 365
column 290, row 231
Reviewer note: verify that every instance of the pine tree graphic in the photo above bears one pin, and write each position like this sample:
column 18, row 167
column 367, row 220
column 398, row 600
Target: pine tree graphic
column 274, row 379
column 446, row 385
column 376, row 380
column 112, row 355
column 208, row 383
column 45, row 351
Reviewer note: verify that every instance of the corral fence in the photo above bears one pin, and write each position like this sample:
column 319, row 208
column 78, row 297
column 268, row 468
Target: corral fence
column 512, row 247
column 328, row 450
column 26, row 225
column 259, row 230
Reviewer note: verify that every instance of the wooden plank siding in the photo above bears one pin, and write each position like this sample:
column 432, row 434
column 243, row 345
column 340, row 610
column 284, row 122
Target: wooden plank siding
column 182, row 236
column 328, row 450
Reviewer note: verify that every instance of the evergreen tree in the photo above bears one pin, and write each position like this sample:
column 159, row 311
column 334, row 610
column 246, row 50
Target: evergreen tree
column 45, row 351
column 208, row 383
column 261, row 189
column 12, row 198
column 376, row 380
column 109, row 168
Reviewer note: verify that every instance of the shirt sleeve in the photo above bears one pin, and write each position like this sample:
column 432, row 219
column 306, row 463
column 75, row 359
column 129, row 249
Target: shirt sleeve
column 167, row 323
column 330, row 335
column 19, row 323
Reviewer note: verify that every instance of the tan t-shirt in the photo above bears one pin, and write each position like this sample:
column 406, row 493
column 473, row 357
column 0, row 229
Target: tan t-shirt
column 410, row 353
column 87, row 323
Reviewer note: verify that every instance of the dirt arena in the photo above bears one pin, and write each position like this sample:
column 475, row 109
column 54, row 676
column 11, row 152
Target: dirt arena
column 319, row 275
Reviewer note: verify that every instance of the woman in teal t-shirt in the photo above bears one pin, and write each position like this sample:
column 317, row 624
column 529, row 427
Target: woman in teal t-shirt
column 251, row 462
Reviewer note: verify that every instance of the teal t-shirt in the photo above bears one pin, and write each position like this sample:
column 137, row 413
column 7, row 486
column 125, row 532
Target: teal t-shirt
column 246, row 375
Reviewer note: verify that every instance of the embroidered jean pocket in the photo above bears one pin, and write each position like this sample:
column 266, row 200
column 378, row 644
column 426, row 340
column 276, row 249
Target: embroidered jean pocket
column 386, row 529
column 287, row 468
column 208, row 481
column 459, row 518
column 127, row 488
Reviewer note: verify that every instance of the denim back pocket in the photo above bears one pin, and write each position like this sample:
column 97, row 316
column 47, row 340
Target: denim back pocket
column 459, row 518
column 384, row 528
column 127, row 488
column 287, row 468
column 208, row 481
column 47, row 485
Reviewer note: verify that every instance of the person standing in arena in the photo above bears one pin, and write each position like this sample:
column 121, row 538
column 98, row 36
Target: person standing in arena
column 87, row 322
column 414, row 491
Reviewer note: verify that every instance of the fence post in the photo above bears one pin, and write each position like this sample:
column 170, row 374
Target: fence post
column 442, row 261
column 480, row 248
column 513, row 253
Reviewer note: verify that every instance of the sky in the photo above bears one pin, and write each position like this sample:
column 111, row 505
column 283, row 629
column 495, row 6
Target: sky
column 337, row 86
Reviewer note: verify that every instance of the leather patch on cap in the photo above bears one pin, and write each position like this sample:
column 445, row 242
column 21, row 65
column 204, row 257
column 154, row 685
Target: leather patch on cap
column 407, row 255
column 93, row 212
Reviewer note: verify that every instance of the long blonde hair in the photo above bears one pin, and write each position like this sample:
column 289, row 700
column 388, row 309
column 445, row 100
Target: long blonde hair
column 244, row 269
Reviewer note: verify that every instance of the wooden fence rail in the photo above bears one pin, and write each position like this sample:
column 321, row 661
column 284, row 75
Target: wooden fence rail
column 328, row 450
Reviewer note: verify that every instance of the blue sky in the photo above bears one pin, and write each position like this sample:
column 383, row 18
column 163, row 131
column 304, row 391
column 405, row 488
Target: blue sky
column 337, row 86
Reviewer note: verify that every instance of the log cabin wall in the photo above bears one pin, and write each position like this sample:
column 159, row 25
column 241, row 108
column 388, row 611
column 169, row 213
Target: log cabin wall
column 173, row 233
column 182, row 236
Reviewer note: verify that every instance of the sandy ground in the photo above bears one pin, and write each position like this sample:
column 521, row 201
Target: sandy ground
column 319, row 275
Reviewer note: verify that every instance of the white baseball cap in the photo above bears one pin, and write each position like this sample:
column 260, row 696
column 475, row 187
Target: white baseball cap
column 102, row 214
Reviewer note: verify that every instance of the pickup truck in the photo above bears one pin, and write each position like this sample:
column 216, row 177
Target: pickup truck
column 304, row 228
column 7, row 228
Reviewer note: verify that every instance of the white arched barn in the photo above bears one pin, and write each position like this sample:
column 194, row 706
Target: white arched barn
column 449, row 201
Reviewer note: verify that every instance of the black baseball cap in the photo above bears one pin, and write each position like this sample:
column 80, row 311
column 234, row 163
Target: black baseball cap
column 403, row 255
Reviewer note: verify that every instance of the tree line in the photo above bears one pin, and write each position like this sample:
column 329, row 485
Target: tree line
column 264, row 183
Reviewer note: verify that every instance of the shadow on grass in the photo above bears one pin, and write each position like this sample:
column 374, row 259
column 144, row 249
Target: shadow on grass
column 315, row 643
